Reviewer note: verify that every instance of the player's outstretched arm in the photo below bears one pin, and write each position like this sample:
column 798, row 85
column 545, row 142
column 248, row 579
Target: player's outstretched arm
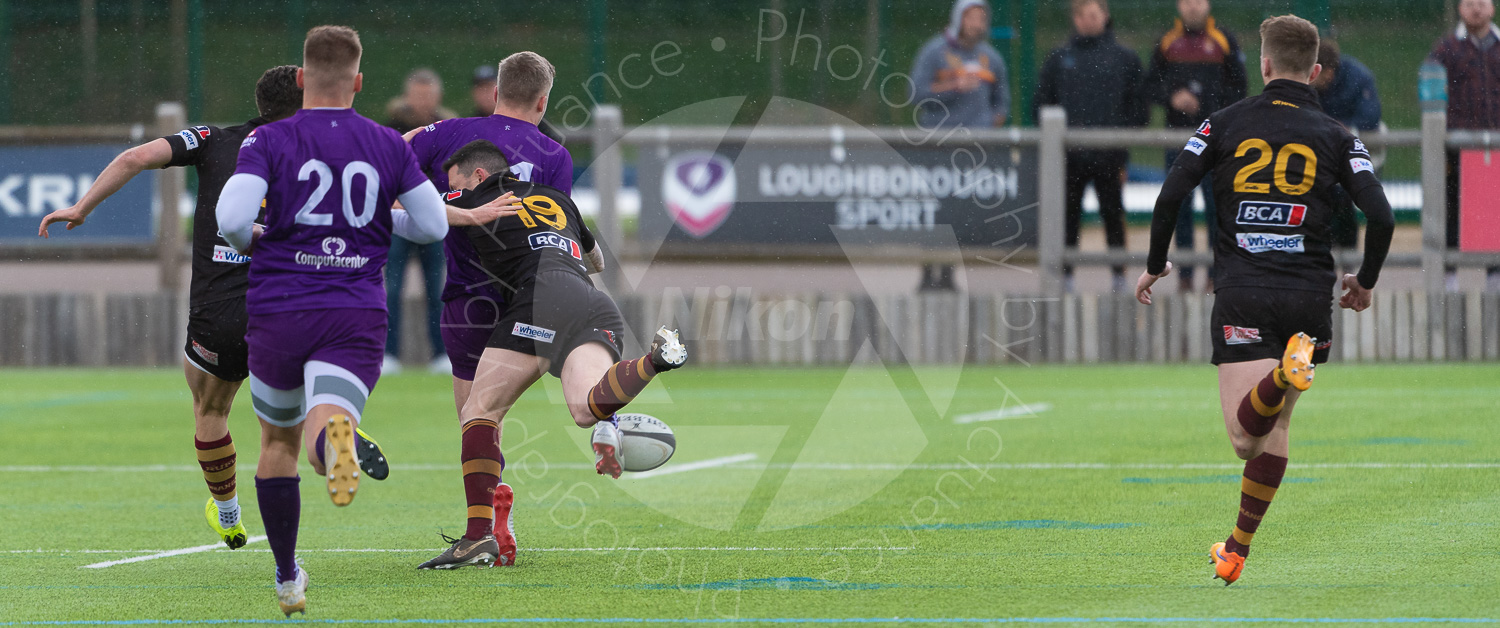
column 151, row 155
column 425, row 219
column 487, row 213
column 1380, row 224
column 595, row 258
column 239, row 204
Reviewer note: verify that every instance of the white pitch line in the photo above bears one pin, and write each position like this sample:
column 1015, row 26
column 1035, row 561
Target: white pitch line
column 693, row 466
column 219, row 549
column 166, row 554
column 1000, row 414
column 881, row 466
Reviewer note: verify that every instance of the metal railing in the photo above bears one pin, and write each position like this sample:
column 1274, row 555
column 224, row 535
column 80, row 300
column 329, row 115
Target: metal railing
column 1053, row 139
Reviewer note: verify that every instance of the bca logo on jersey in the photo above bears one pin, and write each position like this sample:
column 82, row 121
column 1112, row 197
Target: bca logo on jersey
column 452, row 195
column 1266, row 214
column 547, row 240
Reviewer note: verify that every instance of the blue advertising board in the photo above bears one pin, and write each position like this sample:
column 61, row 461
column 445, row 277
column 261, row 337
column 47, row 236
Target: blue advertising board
column 37, row 180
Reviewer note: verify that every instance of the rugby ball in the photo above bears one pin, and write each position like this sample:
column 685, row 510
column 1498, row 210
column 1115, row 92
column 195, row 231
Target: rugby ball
column 645, row 442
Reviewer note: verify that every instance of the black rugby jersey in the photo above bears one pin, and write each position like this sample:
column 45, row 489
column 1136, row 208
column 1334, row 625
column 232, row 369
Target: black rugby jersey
column 219, row 273
column 1276, row 159
column 546, row 234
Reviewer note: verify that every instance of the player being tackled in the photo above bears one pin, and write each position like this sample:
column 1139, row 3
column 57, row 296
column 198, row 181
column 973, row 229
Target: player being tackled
column 555, row 322
column 1273, row 265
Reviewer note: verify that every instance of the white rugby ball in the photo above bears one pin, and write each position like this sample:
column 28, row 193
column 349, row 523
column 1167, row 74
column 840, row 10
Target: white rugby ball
column 645, row 442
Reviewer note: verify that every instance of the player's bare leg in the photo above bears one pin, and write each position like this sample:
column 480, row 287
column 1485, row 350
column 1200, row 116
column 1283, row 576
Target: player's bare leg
column 501, row 378
column 212, row 398
column 595, row 388
column 1258, row 398
column 281, row 509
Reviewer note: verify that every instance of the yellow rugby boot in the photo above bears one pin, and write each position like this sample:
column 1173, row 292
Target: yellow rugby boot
column 235, row 536
column 1296, row 364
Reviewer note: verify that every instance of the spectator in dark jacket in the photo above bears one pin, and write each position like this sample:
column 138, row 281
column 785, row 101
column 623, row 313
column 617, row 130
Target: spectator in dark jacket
column 1472, row 58
column 1197, row 68
column 1346, row 89
column 1098, row 82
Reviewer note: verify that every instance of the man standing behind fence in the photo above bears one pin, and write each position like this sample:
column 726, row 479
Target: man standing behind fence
column 1098, row 82
column 1472, row 59
column 1347, row 90
column 1197, row 68
column 959, row 76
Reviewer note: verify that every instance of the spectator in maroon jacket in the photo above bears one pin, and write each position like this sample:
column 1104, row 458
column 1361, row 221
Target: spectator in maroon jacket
column 1471, row 55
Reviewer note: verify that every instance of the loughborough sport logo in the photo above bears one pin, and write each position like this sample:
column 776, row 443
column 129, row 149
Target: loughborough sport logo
column 699, row 189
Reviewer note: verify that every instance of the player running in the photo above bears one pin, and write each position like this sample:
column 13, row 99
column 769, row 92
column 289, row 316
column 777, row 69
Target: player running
column 555, row 322
column 471, row 303
column 214, row 356
column 1277, row 158
column 316, row 299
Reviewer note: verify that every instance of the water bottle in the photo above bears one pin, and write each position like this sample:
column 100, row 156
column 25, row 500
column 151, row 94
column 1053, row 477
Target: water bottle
column 1432, row 86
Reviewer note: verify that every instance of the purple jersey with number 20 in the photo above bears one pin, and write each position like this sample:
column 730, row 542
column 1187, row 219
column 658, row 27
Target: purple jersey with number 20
column 532, row 157
column 332, row 177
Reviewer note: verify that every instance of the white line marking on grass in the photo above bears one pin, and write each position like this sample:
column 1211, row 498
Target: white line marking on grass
column 166, row 554
column 693, row 466
column 864, row 466
column 1020, row 411
column 397, row 550
column 784, row 620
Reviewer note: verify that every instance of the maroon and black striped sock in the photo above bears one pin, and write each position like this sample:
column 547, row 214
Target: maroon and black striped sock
column 619, row 386
column 1262, row 405
column 1263, row 475
column 217, row 459
column 481, row 458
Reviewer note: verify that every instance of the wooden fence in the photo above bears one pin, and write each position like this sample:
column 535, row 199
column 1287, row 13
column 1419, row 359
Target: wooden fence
column 725, row 327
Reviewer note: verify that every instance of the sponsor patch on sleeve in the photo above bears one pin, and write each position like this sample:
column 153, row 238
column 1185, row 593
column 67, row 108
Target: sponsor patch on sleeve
column 202, row 131
column 1359, row 147
column 1360, row 164
column 189, row 138
column 539, row 334
column 1195, row 146
column 453, row 195
column 1241, row 335
column 1205, row 129
column 226, row 255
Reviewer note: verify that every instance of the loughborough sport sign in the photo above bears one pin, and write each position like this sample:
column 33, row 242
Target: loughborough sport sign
column 807, row 195
column 35, row 181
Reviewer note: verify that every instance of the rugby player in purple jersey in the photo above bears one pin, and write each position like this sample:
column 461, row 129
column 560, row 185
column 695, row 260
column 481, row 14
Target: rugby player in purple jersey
column 316, row 301
column 472, row 303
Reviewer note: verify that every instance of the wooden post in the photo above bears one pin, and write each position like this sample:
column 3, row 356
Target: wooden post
column 608, row 169
column 170, row 186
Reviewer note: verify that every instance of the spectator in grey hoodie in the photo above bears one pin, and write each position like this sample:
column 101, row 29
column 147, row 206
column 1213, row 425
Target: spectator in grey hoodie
column 959, row 76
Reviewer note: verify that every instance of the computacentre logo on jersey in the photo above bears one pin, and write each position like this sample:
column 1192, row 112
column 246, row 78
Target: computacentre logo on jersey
column 332, row 257
column 1266, row 242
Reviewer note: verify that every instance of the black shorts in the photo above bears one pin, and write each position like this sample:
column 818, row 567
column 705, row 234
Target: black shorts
column 555, row 314
column 216, row 339
column 1256, row 323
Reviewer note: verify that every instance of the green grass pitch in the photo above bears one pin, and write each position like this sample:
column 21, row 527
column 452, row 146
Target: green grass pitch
column 796, row 496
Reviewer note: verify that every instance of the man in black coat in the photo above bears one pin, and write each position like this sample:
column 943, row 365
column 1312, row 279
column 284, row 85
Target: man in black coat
column 1098, row 82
